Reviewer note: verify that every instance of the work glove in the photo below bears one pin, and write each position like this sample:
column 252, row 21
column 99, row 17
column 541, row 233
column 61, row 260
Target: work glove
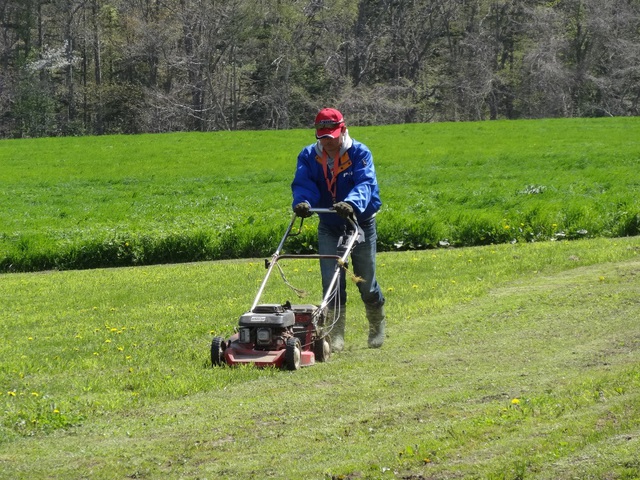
column 343, row 209
column 302, row 210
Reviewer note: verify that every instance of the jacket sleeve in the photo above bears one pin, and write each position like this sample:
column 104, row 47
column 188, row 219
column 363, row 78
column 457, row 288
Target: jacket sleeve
column 304, row 187
column 364, row 178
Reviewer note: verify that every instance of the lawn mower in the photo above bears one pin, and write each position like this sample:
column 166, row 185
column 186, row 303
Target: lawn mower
column 288, row 335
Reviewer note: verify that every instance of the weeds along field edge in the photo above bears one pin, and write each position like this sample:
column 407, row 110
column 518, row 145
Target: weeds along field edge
column 74, row 203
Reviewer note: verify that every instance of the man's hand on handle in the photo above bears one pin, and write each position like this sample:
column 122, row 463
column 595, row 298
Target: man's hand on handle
column 343, row 209
column 302, row 210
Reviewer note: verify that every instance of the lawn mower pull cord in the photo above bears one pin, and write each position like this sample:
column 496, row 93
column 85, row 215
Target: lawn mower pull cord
column 287, row 336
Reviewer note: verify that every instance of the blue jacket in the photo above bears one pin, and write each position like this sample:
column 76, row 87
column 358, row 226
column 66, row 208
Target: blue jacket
column 356, row 181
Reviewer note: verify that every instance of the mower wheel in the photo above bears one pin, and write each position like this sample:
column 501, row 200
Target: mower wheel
column 218, row 346
column 293, row 354
column 322, row 349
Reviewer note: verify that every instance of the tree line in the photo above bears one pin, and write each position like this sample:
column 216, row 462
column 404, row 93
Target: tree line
column 91, row 67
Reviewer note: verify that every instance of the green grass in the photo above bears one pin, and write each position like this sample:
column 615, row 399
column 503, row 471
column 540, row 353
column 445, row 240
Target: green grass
column 506, row 361
column 136, row 200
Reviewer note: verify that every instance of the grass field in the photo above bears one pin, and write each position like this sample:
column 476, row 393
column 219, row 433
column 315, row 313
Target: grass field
column 135, row 200
column 509, row 361
column 514, row 356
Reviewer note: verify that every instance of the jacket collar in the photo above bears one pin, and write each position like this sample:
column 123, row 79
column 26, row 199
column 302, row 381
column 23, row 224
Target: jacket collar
column 347, row 142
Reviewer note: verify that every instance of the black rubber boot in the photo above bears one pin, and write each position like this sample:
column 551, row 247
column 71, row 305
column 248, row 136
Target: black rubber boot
column 376, row 317
column 337, row 330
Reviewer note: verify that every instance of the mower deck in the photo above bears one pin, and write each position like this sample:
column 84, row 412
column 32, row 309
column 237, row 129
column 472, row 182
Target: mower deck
column 235, row 354
column 283, row 336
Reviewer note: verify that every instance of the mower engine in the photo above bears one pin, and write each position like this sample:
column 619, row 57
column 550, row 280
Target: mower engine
column 267, row 327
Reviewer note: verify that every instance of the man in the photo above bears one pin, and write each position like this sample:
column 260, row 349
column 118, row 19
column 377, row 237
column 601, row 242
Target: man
column 337, row 172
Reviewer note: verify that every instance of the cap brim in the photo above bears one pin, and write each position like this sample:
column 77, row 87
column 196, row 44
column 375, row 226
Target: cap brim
column 329, row 132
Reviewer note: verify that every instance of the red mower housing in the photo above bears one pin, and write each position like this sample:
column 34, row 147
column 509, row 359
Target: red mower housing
column 271, row 335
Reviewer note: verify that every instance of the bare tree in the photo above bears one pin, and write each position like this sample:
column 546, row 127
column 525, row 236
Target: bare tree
column 109, row 66
column 545, row 85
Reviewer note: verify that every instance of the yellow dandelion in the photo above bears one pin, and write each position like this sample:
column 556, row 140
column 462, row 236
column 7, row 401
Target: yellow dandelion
column 414, row 286
column 515, row 401
column 120, row 349
column 108, row 340
column 55, row 410
column 12, row 394
column 35, row 394
column 390, row 289
column 30, row 338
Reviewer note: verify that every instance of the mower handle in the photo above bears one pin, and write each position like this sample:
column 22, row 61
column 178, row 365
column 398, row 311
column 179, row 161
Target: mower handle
column 322, row 210
column 352, row 220
column 356, row 237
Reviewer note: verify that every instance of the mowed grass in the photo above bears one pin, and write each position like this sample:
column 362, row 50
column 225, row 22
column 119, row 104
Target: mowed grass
column 135, row 200
column 505, row 361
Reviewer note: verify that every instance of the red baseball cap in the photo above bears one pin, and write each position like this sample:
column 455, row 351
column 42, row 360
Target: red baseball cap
column 329, row 123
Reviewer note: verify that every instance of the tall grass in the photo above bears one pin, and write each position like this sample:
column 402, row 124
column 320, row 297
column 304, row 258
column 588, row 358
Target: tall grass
column 88, row 202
